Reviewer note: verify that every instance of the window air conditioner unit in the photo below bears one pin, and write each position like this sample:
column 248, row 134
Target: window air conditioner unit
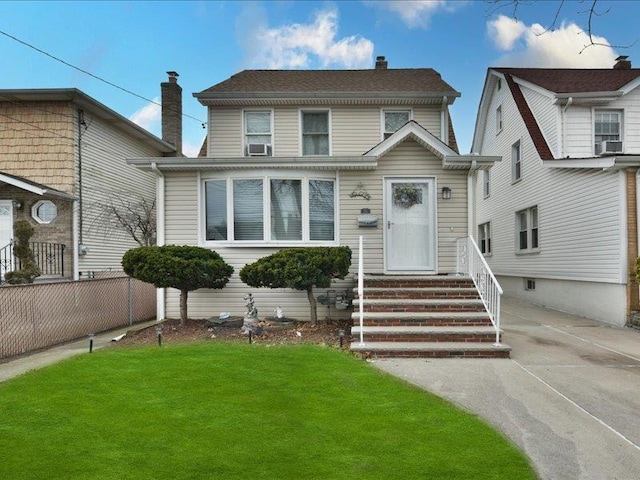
column 609, row 146
column 258, row 149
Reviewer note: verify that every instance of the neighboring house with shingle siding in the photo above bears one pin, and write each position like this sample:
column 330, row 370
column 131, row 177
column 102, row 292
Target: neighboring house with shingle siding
column 557, row 218
column 62, row 159
column 297, row 157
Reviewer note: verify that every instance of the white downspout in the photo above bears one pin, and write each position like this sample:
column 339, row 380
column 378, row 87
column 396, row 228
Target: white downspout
column 472, row 178
column 564, row 127
column 160, row 226
column 444, row 122
column 75, row 234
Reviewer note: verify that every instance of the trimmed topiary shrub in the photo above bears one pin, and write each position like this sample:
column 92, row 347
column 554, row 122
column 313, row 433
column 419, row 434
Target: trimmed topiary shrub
column 185, row 268
column 300, row 269
column 23, row 232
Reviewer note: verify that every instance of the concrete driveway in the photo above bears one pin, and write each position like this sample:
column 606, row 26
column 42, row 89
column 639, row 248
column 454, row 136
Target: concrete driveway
column 569, row 397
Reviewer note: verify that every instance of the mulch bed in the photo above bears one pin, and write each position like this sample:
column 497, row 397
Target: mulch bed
column 272, row 333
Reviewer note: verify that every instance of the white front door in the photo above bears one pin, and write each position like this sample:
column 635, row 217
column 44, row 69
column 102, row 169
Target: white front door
column 6, row 233
column 410, row 224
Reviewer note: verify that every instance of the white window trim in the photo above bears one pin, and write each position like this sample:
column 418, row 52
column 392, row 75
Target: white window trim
column 499, row 119
column 34, row 210
column 515, row 145
column 528, row 211
column 300, row 142
column 619, row 111
column 383, row 111
column 486, row 183
column 305, row 178
column 244, row 129
column 487, row 228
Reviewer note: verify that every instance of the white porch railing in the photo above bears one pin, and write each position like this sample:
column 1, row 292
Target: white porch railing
column 361, row 288
column 471, row 262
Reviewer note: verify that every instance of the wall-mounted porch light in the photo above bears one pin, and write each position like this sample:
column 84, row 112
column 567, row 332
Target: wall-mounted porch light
column 446, row 193
column 17, row 204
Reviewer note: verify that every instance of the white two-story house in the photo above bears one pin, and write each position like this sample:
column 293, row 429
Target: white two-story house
column 557, row 219
column 318, row 158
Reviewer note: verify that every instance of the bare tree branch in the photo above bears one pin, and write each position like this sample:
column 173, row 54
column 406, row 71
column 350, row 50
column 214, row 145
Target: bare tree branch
column 135, row 217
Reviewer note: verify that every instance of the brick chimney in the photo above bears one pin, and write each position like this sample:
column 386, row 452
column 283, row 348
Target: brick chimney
column 381, row 63
column 172, row 112
column 622, row 63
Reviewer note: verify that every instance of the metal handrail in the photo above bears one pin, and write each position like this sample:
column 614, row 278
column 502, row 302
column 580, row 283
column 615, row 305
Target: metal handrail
column 471, row 262
column 361, row 288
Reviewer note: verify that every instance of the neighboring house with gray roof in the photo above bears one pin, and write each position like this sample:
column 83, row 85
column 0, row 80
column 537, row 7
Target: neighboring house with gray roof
column 62, row 160
column 557, row 219
column 318, row 158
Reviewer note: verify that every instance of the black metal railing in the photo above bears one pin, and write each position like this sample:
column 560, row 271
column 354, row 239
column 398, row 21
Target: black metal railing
column 49, row 257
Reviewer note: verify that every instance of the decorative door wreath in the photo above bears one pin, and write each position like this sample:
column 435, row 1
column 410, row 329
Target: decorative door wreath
column 406, row 196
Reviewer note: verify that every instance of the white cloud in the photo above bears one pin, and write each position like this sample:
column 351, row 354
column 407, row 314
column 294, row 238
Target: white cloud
column 149, row 116
column 302, row 45
column 416, row 13
column 532, row 46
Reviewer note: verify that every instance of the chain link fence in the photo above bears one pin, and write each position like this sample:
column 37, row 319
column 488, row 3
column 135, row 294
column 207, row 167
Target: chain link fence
column 41, row 315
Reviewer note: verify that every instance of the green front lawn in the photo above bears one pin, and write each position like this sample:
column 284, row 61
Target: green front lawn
column 238, row 411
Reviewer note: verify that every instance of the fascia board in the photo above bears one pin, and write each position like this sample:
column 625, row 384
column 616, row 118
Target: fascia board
column 483, row 109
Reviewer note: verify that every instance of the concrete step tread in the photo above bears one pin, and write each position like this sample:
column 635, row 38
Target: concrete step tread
column 420, row 315
column 422, row 301
column 382, row 278
column 429, row 346
column 480, row 329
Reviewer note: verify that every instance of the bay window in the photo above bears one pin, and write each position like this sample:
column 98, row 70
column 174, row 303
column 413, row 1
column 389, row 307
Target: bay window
column 270, row 210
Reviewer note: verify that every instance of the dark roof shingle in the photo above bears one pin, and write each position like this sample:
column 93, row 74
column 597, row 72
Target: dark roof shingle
column 333, row 81
column 574, row 80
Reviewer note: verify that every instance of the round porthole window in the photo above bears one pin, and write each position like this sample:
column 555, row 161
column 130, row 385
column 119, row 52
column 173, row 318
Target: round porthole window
column 44, row 211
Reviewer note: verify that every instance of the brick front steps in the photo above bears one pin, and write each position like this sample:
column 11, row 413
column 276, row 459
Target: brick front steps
column 424, row 316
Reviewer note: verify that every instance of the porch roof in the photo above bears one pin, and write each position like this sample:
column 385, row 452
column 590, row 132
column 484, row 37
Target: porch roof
column 33, row 187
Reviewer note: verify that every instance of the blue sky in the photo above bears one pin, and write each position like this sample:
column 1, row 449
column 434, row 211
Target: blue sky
column 134, row 43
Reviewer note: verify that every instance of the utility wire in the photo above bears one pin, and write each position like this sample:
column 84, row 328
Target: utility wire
column 89, row 73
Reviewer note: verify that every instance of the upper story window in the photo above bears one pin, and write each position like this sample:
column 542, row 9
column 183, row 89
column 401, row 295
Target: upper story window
column 315, row 133
column 393, row 120
column 516, row 162
column 486, row 186
column 484, row 238
column 270, row 210
column 607, row 128
column 44, row 211
column 257, row 133
column 498, row 119
column 527, row 230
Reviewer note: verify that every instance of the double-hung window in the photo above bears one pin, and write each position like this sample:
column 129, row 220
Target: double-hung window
column 315, row 132
column 257, row 133
column 486, row 186
column 527, row 230
column 516, row 162
column 484, row 238
column 393, row 120
column 607, row 128
column 270, row 210
column 498, row 119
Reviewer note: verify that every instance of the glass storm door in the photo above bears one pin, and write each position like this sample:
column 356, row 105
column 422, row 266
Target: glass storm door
column 410, row 239
column 6, row 232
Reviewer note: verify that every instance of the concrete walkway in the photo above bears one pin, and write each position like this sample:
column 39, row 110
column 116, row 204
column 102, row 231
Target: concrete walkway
column 569, row 397
column 25, row 363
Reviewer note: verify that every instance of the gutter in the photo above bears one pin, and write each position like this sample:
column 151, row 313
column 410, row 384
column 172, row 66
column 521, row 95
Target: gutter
column 564, row 125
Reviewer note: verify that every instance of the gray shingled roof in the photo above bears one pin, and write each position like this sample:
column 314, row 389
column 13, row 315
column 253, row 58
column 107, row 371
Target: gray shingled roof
column 372, row 81
column 574, row 80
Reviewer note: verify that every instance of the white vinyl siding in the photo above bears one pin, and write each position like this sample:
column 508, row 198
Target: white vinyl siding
column 547, row 115
column 408, row 159
column 580, row 209
column 353, row 129
column 107, row 178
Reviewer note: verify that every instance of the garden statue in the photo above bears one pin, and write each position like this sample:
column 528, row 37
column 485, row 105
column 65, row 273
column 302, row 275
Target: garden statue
column 251, row 317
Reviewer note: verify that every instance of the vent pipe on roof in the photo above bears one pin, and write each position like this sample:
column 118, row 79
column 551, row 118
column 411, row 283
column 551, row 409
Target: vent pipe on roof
column 172, row 112
column 381, row 63
column 622, row 63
